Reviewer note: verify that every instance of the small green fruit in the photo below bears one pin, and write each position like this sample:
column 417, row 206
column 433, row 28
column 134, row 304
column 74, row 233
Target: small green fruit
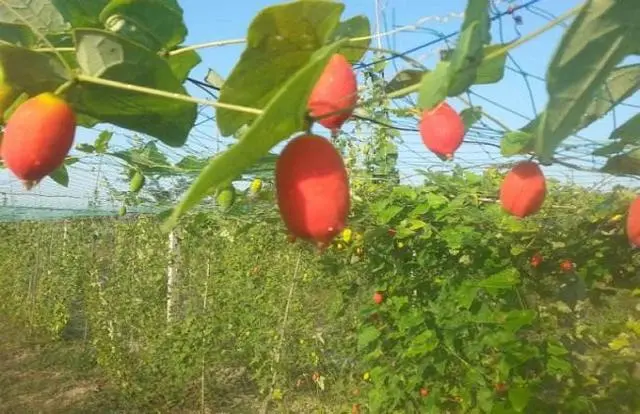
column 137, row 182
column 226, row 198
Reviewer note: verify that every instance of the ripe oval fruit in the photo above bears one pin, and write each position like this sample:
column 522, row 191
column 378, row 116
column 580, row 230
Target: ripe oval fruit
column 378, row 298
column 442, row 130
column 312, row 189
column 566, row 266
column 424, row 392
column 633, row 222
column 336, row 89
column 38, row 137
column 523, row 190
column 536, row 260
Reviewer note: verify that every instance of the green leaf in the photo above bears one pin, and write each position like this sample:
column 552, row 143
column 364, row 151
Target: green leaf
column 623, row 82
column 182, row 64
column 102, row 142
column 60, row 175
column 367, row 336
column 515, row 142
column 284, row 115
column 558, row 366
column 503, row 280
column 214, row 79
column 434, row 86
column 30, row 71
column 41, row 15
column 422, row 344
column 465, row 60
column 519, row 397
column 156, row 24
column 491, row 69
column 629, row 132
column 627, row 163
column 280, row 41
column 404, row 79
column 17, row 34
column 556, row 348
column 478, row 11
column 470, row 116
column 148, row 159
column 81, row 13
column 106, row 55
column 598, row 39
column 609, row 149
column 355, row 27
column 516, row 319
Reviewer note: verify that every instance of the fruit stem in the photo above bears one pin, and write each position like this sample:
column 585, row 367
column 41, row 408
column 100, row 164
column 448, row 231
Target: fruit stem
column 63, row 88
column 165, row 94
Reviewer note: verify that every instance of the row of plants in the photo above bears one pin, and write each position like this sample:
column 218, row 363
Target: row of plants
column 433, row 300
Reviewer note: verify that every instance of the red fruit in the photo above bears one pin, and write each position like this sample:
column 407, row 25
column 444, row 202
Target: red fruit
column 442, row 130
column 633, row 222
column 391, row 232
column 536, row 260
column 567, row 266
column 336, row 89
column 501, row 387
column 312, row 189
column 523, row 190
column 378, row 298
column 38, row 137
column 424, row 392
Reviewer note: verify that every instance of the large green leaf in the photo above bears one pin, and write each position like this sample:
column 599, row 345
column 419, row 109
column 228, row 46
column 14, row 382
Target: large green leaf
column 515, row 142
column 623, row 164
column 81, row 13
column 623, row 82
column 491, row 69
column 41, row 15
column 280, row 41
column 106, row 55
column 599, row 38
column 157, row 24
column 434, row 86
column 283, row 116
column 17, row 34
column 32, row 72
column 404, row 79
column 182, row 64
column 629, row 131
column 355, row 27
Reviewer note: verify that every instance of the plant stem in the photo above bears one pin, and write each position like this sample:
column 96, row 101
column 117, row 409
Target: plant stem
column 207, row 45
column 62, row 88
column 165, row 94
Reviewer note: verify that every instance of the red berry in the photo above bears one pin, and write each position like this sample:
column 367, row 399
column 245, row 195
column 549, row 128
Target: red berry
column 523, row 190
column 567, row 266
column 38, row 137
column 312, row 189
column 336, row 89
column 424, row 392
column 536, row 260
column 633, row 222
column 442, row 130
column 378, row 298
column 501, row 387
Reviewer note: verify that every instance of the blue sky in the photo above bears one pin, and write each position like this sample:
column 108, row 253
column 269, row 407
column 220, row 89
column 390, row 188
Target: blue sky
column 509, row 100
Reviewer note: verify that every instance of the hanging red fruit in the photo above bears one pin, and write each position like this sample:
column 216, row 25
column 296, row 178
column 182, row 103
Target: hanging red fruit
column 336, row 89
column 38, row 137
column 567, row 266
column 378, row 298
column 312, row 189
column 523, row 190
column 633, row 222
column 442, row 130
column 536, row 260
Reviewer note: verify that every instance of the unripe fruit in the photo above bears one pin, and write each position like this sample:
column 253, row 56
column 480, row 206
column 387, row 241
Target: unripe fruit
column 312, row 189
column 38, row 137
column 523, row 190
column 256, row 186
column 137, row 181
column 336, row 89
column 378, row 298
column 442, row 130
column 226, row 197
column 633, row 223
